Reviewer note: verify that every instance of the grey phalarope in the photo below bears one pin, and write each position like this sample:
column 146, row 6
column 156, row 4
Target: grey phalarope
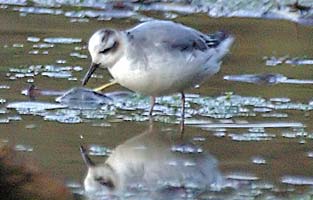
column 158, row 58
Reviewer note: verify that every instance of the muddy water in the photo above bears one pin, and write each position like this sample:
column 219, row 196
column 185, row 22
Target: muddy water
column 268, row 137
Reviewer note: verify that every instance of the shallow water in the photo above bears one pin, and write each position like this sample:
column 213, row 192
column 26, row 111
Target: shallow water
column 260, row 134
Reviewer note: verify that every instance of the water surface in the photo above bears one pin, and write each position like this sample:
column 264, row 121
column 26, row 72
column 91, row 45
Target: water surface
column 261, row 135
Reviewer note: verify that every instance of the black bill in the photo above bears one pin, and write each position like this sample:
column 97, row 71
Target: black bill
column 91, row 70
column 86, row 158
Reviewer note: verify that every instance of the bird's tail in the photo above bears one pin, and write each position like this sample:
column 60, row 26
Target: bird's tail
column 221, row 41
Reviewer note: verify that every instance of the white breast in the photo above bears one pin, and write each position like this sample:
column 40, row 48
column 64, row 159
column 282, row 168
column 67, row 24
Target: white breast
column 163, row 73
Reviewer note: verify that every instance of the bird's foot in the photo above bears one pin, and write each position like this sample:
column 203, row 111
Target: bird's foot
column 102, row 87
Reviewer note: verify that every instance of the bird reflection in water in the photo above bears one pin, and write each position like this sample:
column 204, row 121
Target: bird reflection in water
column 154, row 164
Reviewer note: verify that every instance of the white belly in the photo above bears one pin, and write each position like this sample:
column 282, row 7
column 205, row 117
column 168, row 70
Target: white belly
column 162, row 76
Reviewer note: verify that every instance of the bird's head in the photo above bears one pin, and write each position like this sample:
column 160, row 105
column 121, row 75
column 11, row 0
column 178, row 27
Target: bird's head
column 105, row 48
column 100, row 178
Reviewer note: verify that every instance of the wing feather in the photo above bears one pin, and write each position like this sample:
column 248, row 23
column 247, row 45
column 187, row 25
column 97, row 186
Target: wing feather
column 165, row 35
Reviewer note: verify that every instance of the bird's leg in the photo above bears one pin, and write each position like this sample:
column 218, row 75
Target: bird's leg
column 183, row 105
column 150, row 124
column 152, row 102
column 32, row 92
column 182, row 122
column 102, row 87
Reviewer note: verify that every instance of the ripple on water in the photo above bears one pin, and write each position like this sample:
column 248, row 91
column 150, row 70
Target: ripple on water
column 56, row 68
column 67, row 116
column 3, row 141
column 299, row 61
column 167, row 7
column 102, row 124
column 297, row 180
column 293, row 106
column 30, row 80
column 258, row 160
column 77, row 68
column 133, row 107
column 260, row 79
column 62, row 40
column 15, row 118
column 33, row 39
column 33, row 52
column 12, row 78
column 199, row 138
column 3, row 111
column 80, row 48
column 280, row 99
column 24, row 148
column 274, row 115
column 170, row 15
column 310, row 154
column 73, row 184
column 37, row 10
column 60, row 74
column 31, row 126
column 4, row 120
column 67, row 119
column 116, row 14
column 60, row 61
column 186, row 148
column 262, row 110
column 34, row 106
column 4, row 87
column 98, row 150
column 18, row 45
column 241, row 176
column 246, row 137
column 295, row 133
column 45, row 70
column 78, row 20
column 274, row 61
column 78, row 55
column 96, row 114
column 43, row 46
column 269, row 124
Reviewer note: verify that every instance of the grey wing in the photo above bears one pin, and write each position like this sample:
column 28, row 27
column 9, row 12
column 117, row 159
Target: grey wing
column 165, row 35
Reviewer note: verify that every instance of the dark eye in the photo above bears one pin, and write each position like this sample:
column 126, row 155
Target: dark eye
column 105, row 182
column 104, row 51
